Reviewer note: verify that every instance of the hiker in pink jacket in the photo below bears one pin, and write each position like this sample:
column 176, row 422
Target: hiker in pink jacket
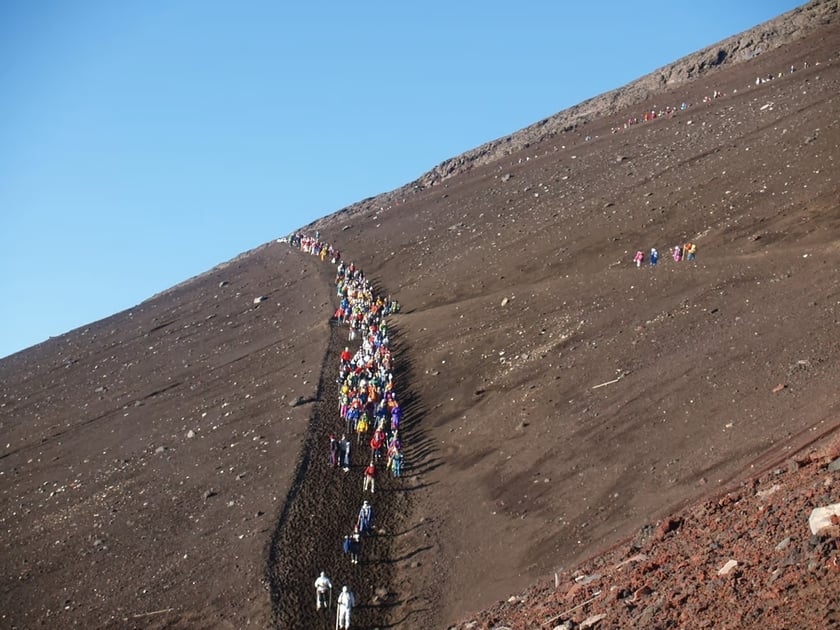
column 639, row 258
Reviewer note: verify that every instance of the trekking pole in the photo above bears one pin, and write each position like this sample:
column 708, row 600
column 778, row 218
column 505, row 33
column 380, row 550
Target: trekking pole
column 337, row 613
column 330, row 596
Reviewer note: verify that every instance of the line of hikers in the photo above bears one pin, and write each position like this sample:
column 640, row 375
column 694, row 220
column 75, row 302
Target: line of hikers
column 366, row 401
column 670, row 111
column 687, row 251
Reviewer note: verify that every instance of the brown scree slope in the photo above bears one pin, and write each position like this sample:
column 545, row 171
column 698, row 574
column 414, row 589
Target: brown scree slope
column 148, row 457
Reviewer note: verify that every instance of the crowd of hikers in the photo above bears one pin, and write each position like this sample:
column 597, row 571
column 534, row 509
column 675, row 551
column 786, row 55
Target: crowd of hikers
column 686, row 251
column 368, row 405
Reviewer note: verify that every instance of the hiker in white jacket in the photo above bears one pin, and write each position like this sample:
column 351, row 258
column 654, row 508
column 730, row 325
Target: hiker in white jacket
column 346, row 601
column 323, row 587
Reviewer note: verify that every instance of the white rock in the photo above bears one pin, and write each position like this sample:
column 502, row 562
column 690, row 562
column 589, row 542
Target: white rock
column 586, row 579
column 190, row 434
column 591, row 622
column 820, row 517
column 766, row 493
column 726, row 568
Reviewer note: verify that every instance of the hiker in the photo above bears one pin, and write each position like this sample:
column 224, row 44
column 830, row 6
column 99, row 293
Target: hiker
column 365, row 521
column 346, row 601
column 377, row 442
column 396, row 463
column 654, row 257
column 344, row 449
column 639, row 258
column 323, row 587
column 362, row 427
column 352, row 546
column 333, row 451
column 677, row 253
column 370, row 478
column 394, row 444
column 692, row 251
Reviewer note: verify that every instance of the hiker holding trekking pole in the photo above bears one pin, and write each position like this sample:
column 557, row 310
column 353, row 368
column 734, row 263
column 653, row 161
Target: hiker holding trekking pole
column 346, row 601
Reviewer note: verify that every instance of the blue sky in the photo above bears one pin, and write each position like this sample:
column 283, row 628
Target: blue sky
column 143, row 143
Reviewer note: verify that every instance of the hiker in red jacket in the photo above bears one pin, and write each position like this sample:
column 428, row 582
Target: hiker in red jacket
column 370, row 478
column 377, row 442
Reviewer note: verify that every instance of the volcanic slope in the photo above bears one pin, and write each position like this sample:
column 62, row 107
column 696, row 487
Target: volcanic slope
column 561, row 398
column 572, row 398
column 147, row 456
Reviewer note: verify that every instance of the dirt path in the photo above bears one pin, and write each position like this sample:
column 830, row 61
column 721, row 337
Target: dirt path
column 321, row 508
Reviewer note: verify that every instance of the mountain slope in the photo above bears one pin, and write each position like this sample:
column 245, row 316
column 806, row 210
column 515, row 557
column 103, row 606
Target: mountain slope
column 562, row 399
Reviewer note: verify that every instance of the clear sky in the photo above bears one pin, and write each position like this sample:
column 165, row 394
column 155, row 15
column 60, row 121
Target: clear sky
column 142, row 143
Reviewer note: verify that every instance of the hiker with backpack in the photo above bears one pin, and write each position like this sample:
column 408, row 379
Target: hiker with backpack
column 346, row 602
column 352, row 546
column 344, row 450
column 333, row 451
column 639, row 258
column 370, row 478
column 365, row 521
column 396, row 463
column 323, row 587
column 377, row 442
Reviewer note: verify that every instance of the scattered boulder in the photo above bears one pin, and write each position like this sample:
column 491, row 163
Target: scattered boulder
column 591, row 622
column 821, row 519
column 667, row 526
